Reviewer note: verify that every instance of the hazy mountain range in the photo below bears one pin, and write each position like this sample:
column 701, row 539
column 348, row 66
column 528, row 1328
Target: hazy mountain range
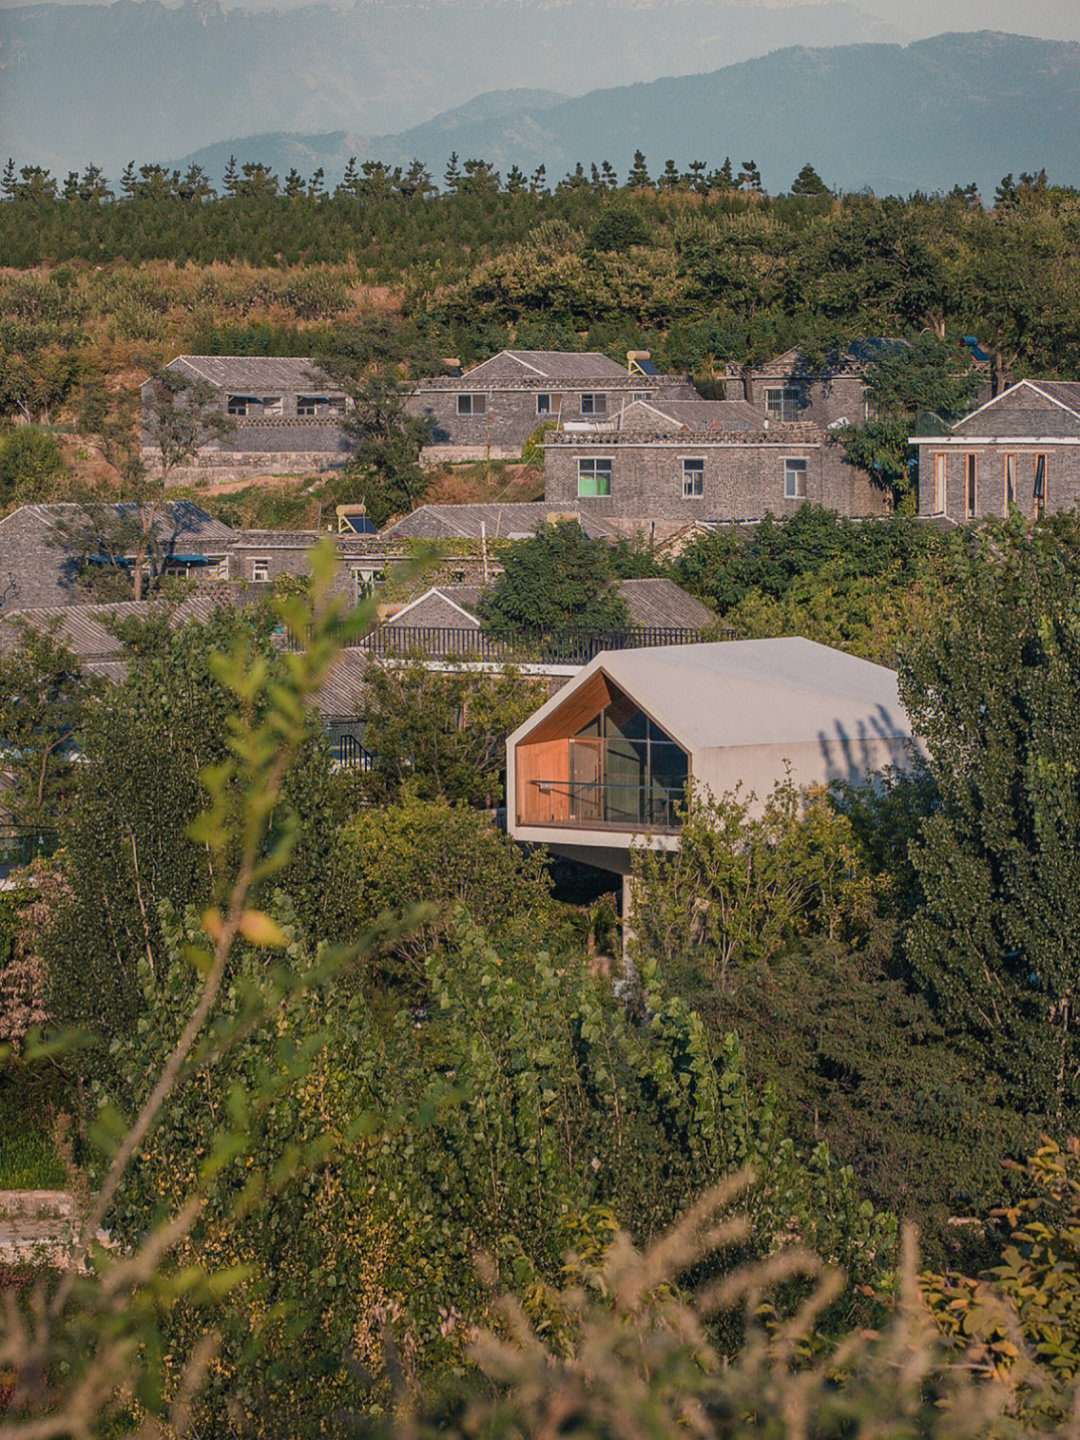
column 111, row 83
column 954, row 109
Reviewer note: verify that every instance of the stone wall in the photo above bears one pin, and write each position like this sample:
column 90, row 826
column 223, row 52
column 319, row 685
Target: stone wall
column 511, row 416
column 742, row 479
column 829, row 399
column 1062, row 478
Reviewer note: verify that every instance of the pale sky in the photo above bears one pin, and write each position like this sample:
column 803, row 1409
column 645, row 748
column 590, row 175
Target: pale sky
column 912, row 19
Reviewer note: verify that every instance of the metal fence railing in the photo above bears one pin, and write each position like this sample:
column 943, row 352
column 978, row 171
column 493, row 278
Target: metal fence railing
column 568, row 648
column 21, row 845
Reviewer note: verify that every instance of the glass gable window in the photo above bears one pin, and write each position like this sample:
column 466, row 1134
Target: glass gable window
column 594, row 476
column 625, row 770
column 471, row 404
column 794, row 479
column 594, row 404
column 693, row 479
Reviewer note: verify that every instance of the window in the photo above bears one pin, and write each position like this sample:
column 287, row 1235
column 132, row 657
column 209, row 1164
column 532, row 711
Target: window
column 594, row 404
column 471, row 404
column 594, row 477
column 639, row 395
column 1040, row 486
column 272, row 405
column 543, row 404
column 784, row 403
column 1010, row 483
column 693, row 479
column 237, row 405
column 940, row 491
column 260, row 571
column 365, row 582
column 971, row 485
column 794, row 479
column 309, row 404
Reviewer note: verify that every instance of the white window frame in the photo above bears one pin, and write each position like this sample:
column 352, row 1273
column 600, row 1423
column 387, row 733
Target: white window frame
column 273, row 405
column 693, row 477
column 469, row 405
column 792, row 400
column 593, row 402
column 260, row 570
column 308, row 405
column 1009, row 493
column 237, row 405
column 795, row 467
column 594, row 467
column 543, row 404
column 941, row 482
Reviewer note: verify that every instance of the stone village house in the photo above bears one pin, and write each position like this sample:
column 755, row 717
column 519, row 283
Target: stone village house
column 1022, row 448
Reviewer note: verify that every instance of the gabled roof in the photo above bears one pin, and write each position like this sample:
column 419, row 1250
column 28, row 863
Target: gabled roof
column 446, row 607
column 692, row 415
column 178, row 521
column 852, row 360
column 1035, row 408
column 258, row 374
column 87, row 630
column 554, row 365
column 750, row 693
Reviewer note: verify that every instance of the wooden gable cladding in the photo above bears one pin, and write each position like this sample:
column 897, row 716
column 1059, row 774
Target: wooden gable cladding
column 543, row 783
column 581, row 707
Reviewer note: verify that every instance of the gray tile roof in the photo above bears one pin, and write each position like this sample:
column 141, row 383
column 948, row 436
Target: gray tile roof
column 87, row 630
column 1030, row 408
column 341, row 696
column 259, row 374
column 348, row 542
column 513, row 521
column 554, row 365
column 662, row 604
column 37, row 567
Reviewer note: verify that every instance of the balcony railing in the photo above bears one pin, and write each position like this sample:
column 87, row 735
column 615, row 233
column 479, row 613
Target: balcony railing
column 20, row 845
column 596, row 802
column 573, row 648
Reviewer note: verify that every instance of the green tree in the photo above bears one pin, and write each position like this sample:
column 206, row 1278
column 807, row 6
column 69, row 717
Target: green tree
column 988, row 686
column 554, row 583
column 442, row 733
column 43, row 698
column 809, row 182
column 30, row 461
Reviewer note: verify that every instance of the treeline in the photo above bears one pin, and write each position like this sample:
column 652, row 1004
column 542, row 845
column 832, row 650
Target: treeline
column 705, row 277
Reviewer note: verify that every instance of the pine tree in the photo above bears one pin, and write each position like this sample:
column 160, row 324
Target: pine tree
column 608, row 175
column 538, row 183
column 638, row 178
column 670, row 178
column 70, row 190
column 294, row 184
column 416, row 182
column 316, row 189
column 516, row 183
column 695, row 174
column 350, row 181
column 809, row 182
column 94, row 186
column 749, row 178
column 8, row 182
column 231, row 179
column 724, row 178
column 128, row 181
column 452, row 178
column 195, row 185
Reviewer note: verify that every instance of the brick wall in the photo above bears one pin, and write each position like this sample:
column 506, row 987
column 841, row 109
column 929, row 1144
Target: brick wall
column 827, row 400
column 741, row 481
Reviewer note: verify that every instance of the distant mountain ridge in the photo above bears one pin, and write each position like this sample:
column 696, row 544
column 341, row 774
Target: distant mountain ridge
column 143, row 81
column 953, row 109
